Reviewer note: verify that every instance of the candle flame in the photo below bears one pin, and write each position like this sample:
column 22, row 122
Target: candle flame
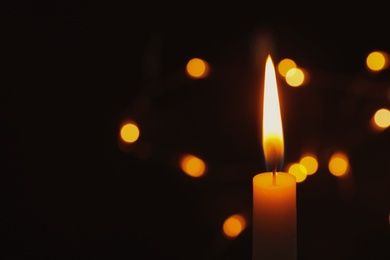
column 272, row 140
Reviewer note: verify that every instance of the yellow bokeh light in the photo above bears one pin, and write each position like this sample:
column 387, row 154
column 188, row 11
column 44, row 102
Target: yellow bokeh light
column 310, row 162
column 295, row 77
column 285, row 65
column 377, row 61
column 129, row 132
column 299, row 171
column 197, row 68
column 382, row 118
column 192, row 165
column 338, row 164
column 234, row 225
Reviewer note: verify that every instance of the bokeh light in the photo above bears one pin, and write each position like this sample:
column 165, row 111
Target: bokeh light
column 310, row 162
column 129, row 132
column 298, row 170
column 285, row 65
column 382, row 118
column 192, row 165
column 197, row 68
column 234, row 225
column 295, row 77
column 338, row 164
column 377, row 61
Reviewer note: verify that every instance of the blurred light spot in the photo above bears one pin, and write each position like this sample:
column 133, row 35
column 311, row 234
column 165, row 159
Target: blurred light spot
column 129, row 132
column 285, row 65
column 377, row 61
column 295, row 77
column 234, row 225
column 299, row 171
column 382, row 118
column 338, row 164
column 192, row 165
column 310, row 162
column 197, row 68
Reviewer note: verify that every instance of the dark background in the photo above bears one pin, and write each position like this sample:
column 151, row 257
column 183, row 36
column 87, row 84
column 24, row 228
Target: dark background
column 71, row 73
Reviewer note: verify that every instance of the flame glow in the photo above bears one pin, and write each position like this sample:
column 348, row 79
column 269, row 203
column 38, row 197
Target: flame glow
column 272, row 140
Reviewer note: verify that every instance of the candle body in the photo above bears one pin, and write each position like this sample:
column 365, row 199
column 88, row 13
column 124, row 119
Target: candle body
column 274, row 217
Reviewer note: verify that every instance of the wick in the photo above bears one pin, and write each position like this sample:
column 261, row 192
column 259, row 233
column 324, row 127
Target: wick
column 274, row 177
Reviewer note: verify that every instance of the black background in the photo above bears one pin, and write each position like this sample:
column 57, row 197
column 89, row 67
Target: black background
column 72, row 72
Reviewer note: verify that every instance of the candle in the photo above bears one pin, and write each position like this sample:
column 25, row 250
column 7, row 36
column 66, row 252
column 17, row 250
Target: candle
column 274, row 193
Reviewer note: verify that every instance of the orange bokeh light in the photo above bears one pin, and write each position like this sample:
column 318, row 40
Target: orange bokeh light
column 285, row 65
column 338, row 164
column 377, row 61
column 299, row 171
column 234, row 225
column 197, row 68
column 193, row 165
column 129, row 132
column 310, row 162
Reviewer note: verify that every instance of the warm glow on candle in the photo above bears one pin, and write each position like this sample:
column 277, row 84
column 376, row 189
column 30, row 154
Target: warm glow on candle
column 273, row 145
